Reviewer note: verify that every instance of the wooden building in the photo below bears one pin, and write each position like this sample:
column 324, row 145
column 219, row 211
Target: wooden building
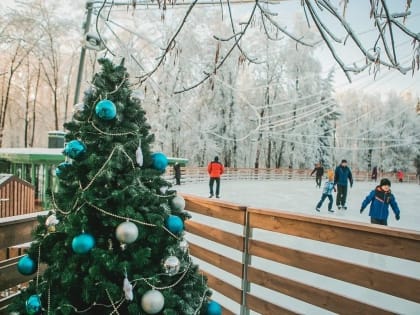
column 17, row 196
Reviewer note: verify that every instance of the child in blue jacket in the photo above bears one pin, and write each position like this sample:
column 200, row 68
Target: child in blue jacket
column 380, row 199
column 327, row 192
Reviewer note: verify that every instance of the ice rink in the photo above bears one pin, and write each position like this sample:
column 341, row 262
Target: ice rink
column 302, row 197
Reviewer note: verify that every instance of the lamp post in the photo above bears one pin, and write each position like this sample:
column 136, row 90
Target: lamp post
column 89, row 8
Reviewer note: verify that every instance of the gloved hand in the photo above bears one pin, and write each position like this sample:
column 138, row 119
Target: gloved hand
column 361, row 210
column 351, row 184
column 397, row 216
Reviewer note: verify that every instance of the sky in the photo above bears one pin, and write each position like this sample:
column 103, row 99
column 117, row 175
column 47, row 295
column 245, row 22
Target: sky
column 301, row 197
column 358, row 16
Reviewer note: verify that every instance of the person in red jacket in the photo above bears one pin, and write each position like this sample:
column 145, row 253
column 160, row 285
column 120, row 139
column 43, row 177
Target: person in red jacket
column 215, row 170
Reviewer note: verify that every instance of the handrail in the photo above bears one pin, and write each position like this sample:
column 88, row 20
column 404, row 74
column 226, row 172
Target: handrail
column 199, row 174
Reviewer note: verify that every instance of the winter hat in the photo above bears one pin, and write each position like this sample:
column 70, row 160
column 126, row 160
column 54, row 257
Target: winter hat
column 385, row 181
column 216, row 158
column 330, row 175
column 343, row 161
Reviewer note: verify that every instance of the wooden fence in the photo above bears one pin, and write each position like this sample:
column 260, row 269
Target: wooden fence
column 16, row 196
column 199, row 174
column 251, row 242
column 253, row 259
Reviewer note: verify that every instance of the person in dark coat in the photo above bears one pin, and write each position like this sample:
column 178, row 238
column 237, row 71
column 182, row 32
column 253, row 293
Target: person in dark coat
column 177, row 173
column 374, row 173
column 215, row 170
column 380, row 199
column 319, row 172
column 342, row 176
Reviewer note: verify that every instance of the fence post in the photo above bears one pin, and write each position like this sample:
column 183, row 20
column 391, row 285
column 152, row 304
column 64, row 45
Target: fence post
column 246, row 261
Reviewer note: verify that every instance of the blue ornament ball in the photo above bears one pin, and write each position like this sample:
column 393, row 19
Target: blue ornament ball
column 160, row 161
column 214, row 308
column 26, row 265
column 33, row 305
column 60, row 168
column 174, row 224
column 83, row 243
column 75, row 149
column 106, row 110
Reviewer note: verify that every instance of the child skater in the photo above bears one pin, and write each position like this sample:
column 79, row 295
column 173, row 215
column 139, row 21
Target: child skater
column 380, row 199
column 327, row 192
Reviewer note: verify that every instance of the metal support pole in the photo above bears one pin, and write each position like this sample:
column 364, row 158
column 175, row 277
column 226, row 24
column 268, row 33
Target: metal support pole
column 246, row 262
column 89, row 8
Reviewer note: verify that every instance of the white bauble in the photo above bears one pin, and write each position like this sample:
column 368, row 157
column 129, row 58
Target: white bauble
column 127, row 232
column 178, row 202
column 152, row 302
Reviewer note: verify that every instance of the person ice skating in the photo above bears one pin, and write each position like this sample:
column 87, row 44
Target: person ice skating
column 177, row 173
column 400, row 176
column 342, row 176
column 380, row 199
column 374, row 176
column 215, row 170
column 319, row 172
column 327, row 192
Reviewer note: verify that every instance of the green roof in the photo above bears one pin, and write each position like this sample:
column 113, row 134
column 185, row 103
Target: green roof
column 49, row 156
column 32, row 155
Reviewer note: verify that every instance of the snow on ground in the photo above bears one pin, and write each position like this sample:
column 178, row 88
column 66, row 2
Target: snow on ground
column 301, row 197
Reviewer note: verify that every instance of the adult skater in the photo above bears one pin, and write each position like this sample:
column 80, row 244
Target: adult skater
column 342, row 176
column 319, row 172
column 215, row 170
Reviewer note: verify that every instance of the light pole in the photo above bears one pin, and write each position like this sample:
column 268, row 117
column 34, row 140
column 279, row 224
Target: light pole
column 89, row 7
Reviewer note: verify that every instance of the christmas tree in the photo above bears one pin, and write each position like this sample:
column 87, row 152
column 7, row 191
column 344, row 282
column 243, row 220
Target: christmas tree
column 114, row 242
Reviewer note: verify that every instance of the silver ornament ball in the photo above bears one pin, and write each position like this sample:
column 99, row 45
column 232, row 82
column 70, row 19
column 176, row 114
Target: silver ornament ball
column 171, row 265
column 127, row 232
column 178, row 202
column 183, row 245
column 152, row 302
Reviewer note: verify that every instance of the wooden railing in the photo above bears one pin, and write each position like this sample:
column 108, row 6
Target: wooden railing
column 259, row 260
column 16, row 197
column 305, row 232
column 199, row 174
column 15, row 232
